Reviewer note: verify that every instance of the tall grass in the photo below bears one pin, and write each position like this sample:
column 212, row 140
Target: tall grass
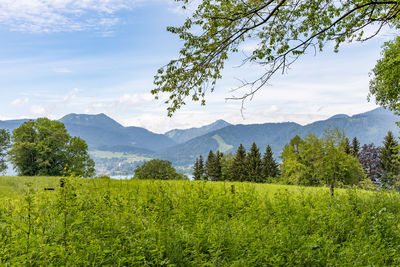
column 183, row 223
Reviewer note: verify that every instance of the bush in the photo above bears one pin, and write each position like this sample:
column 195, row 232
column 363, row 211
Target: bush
column 158, row 169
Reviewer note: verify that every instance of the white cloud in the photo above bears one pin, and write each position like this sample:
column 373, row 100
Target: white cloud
column 20, row 101
column 61, row 15
column 125, row 102
column 38, row 110
column 70, row 96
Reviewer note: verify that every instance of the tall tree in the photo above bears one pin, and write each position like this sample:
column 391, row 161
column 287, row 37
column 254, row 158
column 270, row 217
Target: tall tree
column 370, row 159
column 196, row 170
column 355, row 147
column 269, row 166
column 44, row 147
column 4, row 146
column 390, row 160
column 213, row 166
column 346, row 146
column 284, row 31
column 201, row 167
column 238, row 169
column 254, row 164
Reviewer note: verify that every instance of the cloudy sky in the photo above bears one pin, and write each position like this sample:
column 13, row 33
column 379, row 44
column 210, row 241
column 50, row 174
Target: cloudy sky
column 100, row 56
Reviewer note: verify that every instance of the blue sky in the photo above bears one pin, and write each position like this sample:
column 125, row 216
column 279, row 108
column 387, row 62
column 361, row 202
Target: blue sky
column 100, row 56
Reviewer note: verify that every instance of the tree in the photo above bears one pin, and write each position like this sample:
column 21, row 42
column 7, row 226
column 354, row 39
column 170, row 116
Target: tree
column 355, row 147
column 370, row 160
column 198, row 169
column 238, row 169
column 44, row 147
column 390, row 160
column 284, row 31
column 253, row 164
column 384, row 85
column 157, row 169
column 269, row 166
column 4, row 145
column 346, row 146
column 213, row 166
column 314, row 161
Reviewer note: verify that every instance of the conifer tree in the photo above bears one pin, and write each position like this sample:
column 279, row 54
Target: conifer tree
column 346, row 146
column 269, row 165
column 208, row 165
column 253, row 164
column 238, row 169
column 196, row 170
column 201, row 167
column 355, row 147
column 389, row 159
column 213, row 166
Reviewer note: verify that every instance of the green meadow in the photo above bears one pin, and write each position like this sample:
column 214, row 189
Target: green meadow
column 95, row 222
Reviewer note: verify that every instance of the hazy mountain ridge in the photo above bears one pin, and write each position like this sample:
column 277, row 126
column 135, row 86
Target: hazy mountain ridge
column 105, row 134
column 183, row 135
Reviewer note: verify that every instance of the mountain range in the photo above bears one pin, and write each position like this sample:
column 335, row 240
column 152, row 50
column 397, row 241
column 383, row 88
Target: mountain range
column 113, row 144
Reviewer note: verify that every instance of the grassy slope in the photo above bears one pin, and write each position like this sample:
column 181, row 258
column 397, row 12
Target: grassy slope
column 139, row 223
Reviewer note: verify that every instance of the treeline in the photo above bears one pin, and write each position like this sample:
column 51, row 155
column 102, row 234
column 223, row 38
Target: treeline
column 242, row 166
column 331, row 160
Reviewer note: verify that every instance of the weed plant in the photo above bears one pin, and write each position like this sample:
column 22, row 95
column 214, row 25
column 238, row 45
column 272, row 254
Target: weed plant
column 99, row 222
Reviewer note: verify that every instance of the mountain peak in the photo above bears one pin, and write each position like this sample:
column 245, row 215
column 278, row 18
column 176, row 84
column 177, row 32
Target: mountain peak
column 339, row 116
column 90, row 120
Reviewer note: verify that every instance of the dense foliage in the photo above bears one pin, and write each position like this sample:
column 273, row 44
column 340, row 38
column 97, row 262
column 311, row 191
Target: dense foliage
column 4, row 145
column 320, row 161
column 44, row 147
column 95, row 222
column 157, row 169
column 384, row 85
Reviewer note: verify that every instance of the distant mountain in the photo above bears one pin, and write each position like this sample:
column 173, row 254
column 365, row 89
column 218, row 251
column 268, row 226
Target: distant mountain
column 182, row 136
column 11, row 124
column 102, row 131
column 369, row 127
column 125, row 147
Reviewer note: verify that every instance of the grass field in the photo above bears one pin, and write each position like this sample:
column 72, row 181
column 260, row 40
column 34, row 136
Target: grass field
column 184, row 223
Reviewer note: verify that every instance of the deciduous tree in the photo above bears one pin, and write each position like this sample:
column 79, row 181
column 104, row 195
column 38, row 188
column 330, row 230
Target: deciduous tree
column 370, row 159
column 283, row 29
column 44, row 147
column 157, row 169
column 4, row 146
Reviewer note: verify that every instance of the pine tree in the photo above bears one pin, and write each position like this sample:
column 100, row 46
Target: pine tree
column 253, row 164
column 213, row 166
column 201, row 167
column 389, row 158
column 217, row 166
column 269, row 166
column 238, row 169
column 196, row 170
column 355, row 147
column 346, row 146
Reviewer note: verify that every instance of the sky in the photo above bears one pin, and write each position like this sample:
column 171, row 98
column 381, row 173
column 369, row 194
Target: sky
column 100, row 56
